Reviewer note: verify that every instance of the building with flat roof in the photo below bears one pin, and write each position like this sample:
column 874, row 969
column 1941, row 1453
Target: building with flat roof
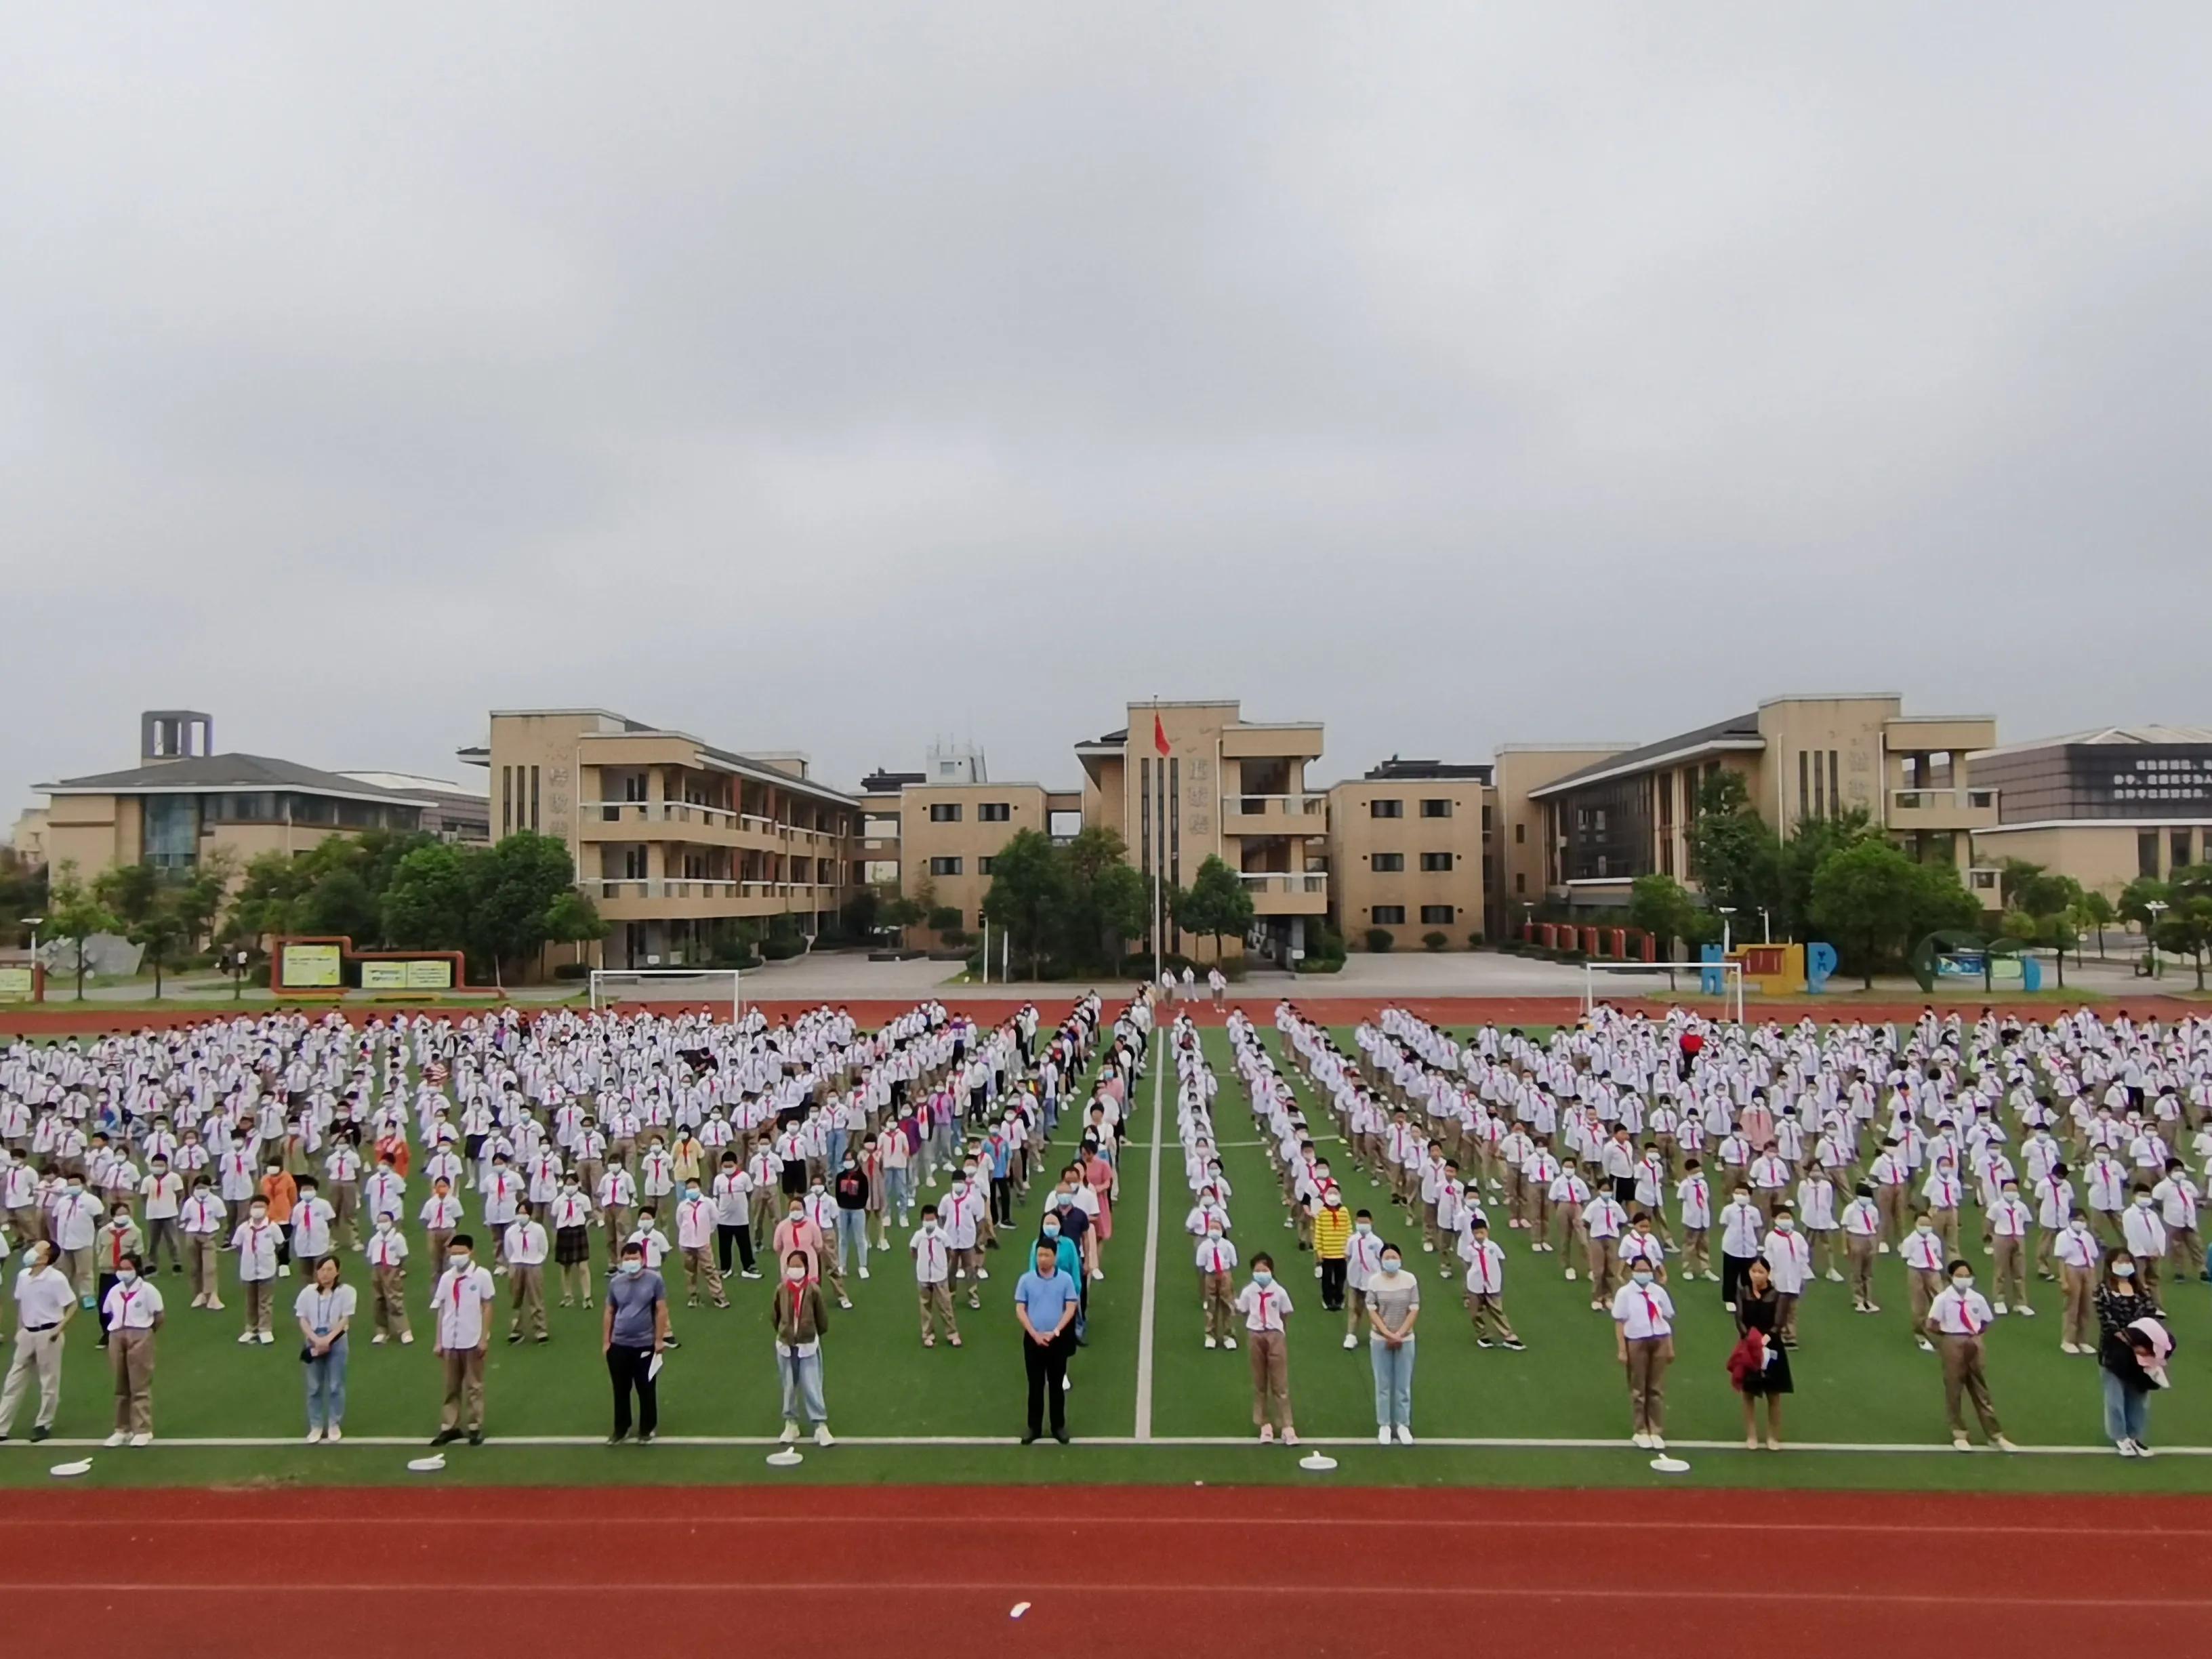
column 1410, row 847
column 2105, row 806
column 183, row 802
column 677, row 841
column 457, row 813
column 1807, row 756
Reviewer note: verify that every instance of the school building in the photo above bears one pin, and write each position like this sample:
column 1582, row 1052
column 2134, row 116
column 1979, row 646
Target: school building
column 184, row 802
column 1600, row 824
column 2105, row 806
column 678, row 841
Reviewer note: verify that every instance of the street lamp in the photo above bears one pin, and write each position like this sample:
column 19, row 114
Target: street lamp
column 1766, row 924
column 35, row 923
column 1726, row 911
column 2150, row 933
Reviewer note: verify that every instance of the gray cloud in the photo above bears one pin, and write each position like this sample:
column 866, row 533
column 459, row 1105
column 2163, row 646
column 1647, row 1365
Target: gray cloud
column 833, row 378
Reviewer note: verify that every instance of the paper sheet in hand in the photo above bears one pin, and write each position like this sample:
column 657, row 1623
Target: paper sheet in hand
column 653, row 1369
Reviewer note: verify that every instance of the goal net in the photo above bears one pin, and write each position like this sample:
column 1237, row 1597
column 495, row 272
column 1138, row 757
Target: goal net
column 716, row 988
column 1724, row 979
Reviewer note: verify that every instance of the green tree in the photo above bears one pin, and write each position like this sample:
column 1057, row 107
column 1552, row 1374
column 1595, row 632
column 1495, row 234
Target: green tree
column 2049, row 903
column 573, row 919
column 2185, row 929
column 1661, row 907
column 75, row 911
column 162, row 931
column 1108, row 901
column 1217, row 903
column 269, row 891
column 129, row 891
column 903, row 912
column 1120, row 908
column 1865, row 898
column 1800, row 857
column 22, row 891
column 200, row 897
column 1029, row 893
column 1733, row 853
column 426, row 905
column 511, row 887
column 2097, row 913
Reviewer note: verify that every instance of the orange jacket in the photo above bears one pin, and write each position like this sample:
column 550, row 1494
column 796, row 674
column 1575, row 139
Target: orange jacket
column 282, row 1193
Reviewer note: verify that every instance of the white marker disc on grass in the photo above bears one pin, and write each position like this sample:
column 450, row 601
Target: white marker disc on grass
column 429, row 1465
column 1667, row 1465
column 789, row 1457
column 1318, row 1463
column 71, row 1471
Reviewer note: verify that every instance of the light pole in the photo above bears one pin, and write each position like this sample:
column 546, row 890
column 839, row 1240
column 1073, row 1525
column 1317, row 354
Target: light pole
column 35, row 923
column 1766, row 924
column 2150, row 933
column 1726, row 911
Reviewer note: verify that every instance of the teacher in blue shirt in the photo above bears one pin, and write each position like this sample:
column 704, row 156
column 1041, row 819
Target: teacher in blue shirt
column 1045, row 1302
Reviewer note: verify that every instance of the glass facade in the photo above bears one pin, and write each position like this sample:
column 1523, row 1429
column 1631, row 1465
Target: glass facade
column 2099, row 781
column 172, row 831
column 1608, row 830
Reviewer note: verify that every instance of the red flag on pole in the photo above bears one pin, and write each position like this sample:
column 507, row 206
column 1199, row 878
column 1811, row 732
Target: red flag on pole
column 1159, row 734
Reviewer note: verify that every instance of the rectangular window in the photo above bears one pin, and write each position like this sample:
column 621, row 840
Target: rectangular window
column 1175, row 822
column 1433, row 808
column 1438, row 914
column 1387, row 862
column 1805, row 783
column 1485, row 818
column 994, row 811
column 983, row 865
column 1435, row 860
column 1520, row 882
column 1386, row 809
column 944, row 866
column 2179, row 845
column 1386, row 916
column 1145, row 811
column 1835, row 788
column 533, row 798
column 1520, row 834
column 506, row 800
column 944, row 811
column 2147, row 855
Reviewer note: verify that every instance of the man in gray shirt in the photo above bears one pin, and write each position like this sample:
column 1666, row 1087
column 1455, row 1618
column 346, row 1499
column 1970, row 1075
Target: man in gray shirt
column 634, row 1331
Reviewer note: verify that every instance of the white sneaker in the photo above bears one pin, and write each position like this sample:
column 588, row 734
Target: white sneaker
column 333, row 1434
column 2127, row 1449
column 844, row 1301
column 1227, row 1342
column 822, row 1435
column 314, row 1437
column 864, row 1270
column 1428, row 1245
column 266, row 1338
column 1925, row 1345
column 1097, row 1273
column 1382, row 1435
column 1834, row 1277
column 984, row 1273
column 790, row 1433
column 1211, row 1343
column 1067, row 1382
column 2143, row 1450
column 1405, row 1435
column 1658, row 1442
column 407, row 1338
column 1882, row 1248
column 2024, row 1311
column 118, row 1438
column 2068, row 1347
column 245, row 1337
column 1350, row 1341
column 1999, row 1309
column 376, row 1341
column 1640, row 1440
column 142, row 1439
column 1290, row 1436
column 1570, row 1275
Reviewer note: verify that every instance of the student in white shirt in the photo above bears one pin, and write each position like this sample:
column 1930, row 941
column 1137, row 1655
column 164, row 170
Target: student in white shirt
column 2007, row 1223
column 163, row 1191
column 1960, row 1317
column 1485, row 1287
column 45, row 1301
column 526, row 1244
column 1694, row 1195
column 1789, row 1259
column 1264, row 1304
column 1643, row 1342
column 2078, row 1253
column 2144, row 1234
column 387, row 1282
column 131, row 1312
column 201, row 1218
column 933, row 1278
column 461, row 1304
column 1923, row 1255
column 1217, row 1265
column 256, row 1241
column 1363, row 1260
column 325, row 1310
column 1861, row 1228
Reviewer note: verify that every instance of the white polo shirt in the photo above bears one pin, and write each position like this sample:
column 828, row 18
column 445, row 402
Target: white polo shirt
column 43, row 1295
column 131, row 1307
column 459, row 1301
column 1643, row 1310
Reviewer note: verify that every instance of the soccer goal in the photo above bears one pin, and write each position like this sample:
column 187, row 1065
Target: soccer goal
column 1721, row 979
column 713, row 988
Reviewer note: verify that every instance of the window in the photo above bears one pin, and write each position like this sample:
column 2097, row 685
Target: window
column 1438, row 913
column 1435, row 860
column 983, row 865
column 505, row 801
column 1436, row 808
column 944, row 866
column 2180, row 849
column 1387, row 862
column 994, row 811
column 944, row 811
column 1485, row 818
column 2147, row 855
column 1520, row 834
column 533, row 798
column 1386, row 916
column 1386, row 809
column 1520, row 881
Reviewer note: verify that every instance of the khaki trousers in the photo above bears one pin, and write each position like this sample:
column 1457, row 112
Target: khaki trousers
column 464, row 1389
column 1962, row 1375
column 1697, row 1250
column 527, row 1297
column 1216, row 1298
column 130, row 1361
column 2009, row 1270
column 2077, row 1318
column 40, row 1352
column 1488, row 1313
column 388, row 1294
column 200, row 1269
column 260, row 1297
column 698, row 1263
column 936, row 1302
column 1271, row 1379
column 1861, row 1250
column 1648, row 1359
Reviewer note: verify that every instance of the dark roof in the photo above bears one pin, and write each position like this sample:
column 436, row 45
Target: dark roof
column 229, row 772
column 880, row 783
column 1737, row 727
column 1402, row 771
column 1113, row 739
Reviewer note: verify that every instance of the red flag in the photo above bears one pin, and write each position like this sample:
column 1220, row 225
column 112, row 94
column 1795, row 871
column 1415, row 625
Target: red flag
column 1159, row 734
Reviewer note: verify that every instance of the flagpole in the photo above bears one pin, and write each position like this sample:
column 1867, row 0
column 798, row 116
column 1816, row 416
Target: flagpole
column 1160, row 840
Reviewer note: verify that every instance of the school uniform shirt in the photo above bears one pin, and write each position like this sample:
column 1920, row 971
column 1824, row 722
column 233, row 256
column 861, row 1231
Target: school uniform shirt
column 652, row 1243
column 1922, row 1250
column 1363, row 1259
column 1263, row 1306
column 696, row 1221
column 1645, row 1247
column 1603, row 1218
column 570, row 1209
column 1741, row 1227
column 733, row 1198
column 440, row 1215
column 932, row 1256
column 1790, row 1259
column 130, row 1306
column 1862, row 1217
column 256, row 1244
column 2142, row 1229
column 202, row 1215
column 1643, row 1310
column 2178, row 1200
column 525, row 1243
column 1957, row 1315
column 1486, row 1265
column 1216, row 1255
column 311, row 1227
column 458, row 1302
column 162, row 1194
column 2108, row 1184
column 387, row 1250
column 961, row 1213
column 1695, row 1197
column 2008, row 1218
column 2076, row 1247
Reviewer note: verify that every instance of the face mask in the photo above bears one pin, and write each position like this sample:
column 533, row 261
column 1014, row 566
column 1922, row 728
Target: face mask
column 1052, row 1230
column 795, row 1275
column 126, row 1276
column 2143, row 1203
column 458, row 1263
column 1783, row 1223
column 1391, row 1264
column 632, row 1268
column 260, row 1214
column 1923, row 1227
column 1642, row 1275
column 384, row 1225
column 930, row 1225
column 691, row 1191
column 1262, row 1278
column 795, row 1214
column 2124, row 1270
column 1963, row 1283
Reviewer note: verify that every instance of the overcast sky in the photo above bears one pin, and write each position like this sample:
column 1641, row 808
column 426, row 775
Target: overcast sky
column 834, row 378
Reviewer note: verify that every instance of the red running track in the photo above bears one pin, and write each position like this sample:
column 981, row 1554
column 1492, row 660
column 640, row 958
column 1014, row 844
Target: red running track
column 1213, row 1574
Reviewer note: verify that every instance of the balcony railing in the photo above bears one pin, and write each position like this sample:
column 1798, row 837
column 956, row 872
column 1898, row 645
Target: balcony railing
column 646, row 887
column 1254, row 806
column 1284, row 881
column 1915, row 800
column 659, row 812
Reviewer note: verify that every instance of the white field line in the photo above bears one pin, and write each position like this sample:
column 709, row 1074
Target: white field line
column 1151, row 1293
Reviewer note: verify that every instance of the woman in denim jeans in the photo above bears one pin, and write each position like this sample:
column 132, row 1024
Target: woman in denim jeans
column 1393, row 1304
column 2127, row 1380
column 325, row 1310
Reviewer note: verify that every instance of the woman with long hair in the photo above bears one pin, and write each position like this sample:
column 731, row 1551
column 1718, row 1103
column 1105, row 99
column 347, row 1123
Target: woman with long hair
column 1767, row 1377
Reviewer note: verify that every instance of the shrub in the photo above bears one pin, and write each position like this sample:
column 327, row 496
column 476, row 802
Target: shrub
column 946, row 918
column 1435, row 939
column 954, row 936
column 1474, row 940
column 1313, row 964
column 781, row 949
column 572, row 969
column 1380, row 938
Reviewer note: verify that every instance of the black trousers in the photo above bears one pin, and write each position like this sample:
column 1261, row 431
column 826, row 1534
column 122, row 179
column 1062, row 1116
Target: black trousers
column 1732, row 1274
column 1002, row 1201
column 1047, row 1364
column 628, row 1367
column 742, row 1237
column 1332, row 1284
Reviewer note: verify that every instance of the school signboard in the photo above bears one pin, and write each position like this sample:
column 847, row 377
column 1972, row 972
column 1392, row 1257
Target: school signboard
column 310, row 967
column 20, row 982
column 407, row 974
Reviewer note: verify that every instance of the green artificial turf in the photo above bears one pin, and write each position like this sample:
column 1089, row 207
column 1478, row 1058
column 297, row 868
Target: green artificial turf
column 1859, row 1380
